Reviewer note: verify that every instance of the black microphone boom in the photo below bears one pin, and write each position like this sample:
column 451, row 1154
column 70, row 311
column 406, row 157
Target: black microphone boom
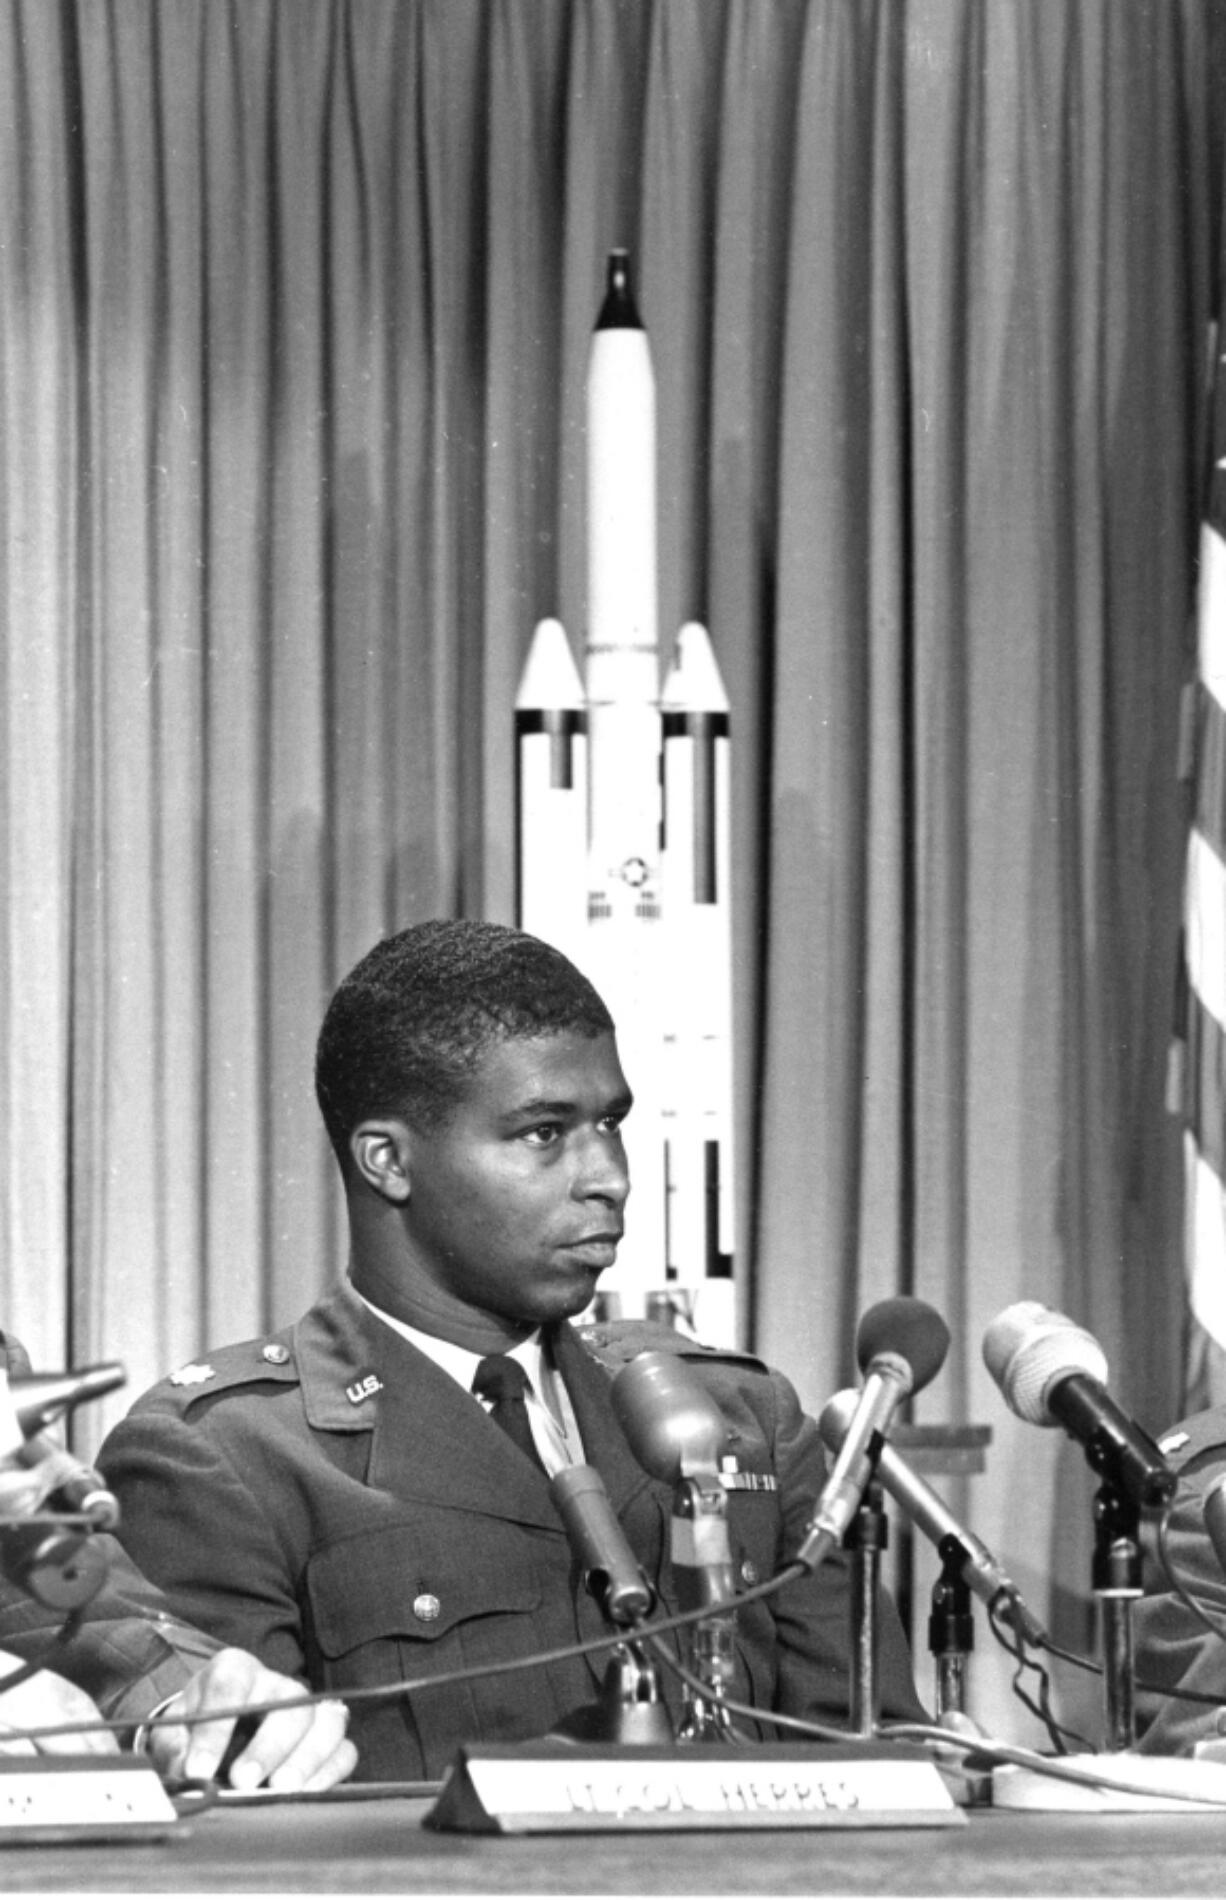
column 1052, row 1372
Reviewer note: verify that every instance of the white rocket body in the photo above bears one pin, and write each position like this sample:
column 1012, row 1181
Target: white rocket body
column 624, row 850
column 695, row 884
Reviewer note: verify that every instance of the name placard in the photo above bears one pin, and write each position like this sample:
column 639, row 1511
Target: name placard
column 82, row 1797
column 553, row 1788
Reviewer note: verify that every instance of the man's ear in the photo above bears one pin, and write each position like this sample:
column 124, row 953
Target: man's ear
column 380, row 1151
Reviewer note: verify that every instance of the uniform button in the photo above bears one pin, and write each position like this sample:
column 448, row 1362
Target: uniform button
column 276, row 1355
column 426, row 1607
column 749, row 1571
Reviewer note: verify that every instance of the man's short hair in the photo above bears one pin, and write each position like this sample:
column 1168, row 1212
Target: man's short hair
column 408, row 1023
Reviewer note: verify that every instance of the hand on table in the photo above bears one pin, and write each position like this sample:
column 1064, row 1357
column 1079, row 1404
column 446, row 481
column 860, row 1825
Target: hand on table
column 292, row 1750
column 42, row 1701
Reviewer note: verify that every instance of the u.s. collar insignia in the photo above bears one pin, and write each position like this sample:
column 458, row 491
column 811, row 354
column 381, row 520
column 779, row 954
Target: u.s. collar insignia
column 363, row 1388
column 192, row 1375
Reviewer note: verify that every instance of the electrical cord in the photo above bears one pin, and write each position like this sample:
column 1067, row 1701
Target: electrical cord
column 394, row 1691
column 1006, row 1632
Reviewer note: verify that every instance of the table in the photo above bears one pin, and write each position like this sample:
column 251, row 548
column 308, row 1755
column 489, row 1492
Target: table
column 349, row 1845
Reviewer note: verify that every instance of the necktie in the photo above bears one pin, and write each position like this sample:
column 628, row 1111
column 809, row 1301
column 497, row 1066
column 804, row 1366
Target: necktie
column 503, row 1381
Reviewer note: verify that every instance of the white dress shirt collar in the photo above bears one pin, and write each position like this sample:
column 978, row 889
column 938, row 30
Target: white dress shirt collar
column 553, row 1421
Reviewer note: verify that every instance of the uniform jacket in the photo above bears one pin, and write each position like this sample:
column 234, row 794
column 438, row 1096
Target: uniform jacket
column 131, row 1651
column 331, row 1499
column 1174, row 1651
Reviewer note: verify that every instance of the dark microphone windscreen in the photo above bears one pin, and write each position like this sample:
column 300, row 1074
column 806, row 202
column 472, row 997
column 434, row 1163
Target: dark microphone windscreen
column 909, row 1328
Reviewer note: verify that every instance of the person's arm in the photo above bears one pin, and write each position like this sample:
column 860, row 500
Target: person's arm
column 132, row 1657
column 292, row 1749
column 289, row 1750
column 1174, row 1651
column 130, row 1650
column 48, row 1700
column 196, row 1523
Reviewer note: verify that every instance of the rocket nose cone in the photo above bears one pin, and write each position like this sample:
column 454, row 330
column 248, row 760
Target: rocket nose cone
column 619, row 310
column 694, row 682
column 550, row 680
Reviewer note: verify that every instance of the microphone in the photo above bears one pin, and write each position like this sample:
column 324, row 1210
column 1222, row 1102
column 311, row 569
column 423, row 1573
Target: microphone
column 900, row 1345
column 30, row 1401
column 677, row 1433
column 612, row 1571
column 675, row 1428
column 980, row 1569
column 40, row 1397
column 1052, row 1372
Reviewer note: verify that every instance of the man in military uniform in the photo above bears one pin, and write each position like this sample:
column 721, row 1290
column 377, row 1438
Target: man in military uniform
column 1181, row 1659
column 337, row 1498
column 130, row 1655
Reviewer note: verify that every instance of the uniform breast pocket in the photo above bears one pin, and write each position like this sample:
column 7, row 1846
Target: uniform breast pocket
column 401, row 1584
column 404, row 1604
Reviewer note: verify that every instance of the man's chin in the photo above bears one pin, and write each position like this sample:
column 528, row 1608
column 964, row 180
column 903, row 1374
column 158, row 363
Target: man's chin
column 569, row 1302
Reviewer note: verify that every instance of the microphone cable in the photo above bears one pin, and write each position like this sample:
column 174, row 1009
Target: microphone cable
column 1215, row 1625
column 983, row 1752
column 977, row 1751
column 378, row 1693
column 1039, row 1705
column 645, row 1630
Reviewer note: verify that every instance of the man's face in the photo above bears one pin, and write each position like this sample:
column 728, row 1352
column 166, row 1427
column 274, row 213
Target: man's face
column 515, row 1205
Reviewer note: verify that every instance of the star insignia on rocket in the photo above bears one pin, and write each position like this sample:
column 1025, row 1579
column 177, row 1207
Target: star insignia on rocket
column 192, row 1375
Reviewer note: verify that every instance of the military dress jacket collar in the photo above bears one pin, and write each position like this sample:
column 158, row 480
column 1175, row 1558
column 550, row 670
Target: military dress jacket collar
column 431, row 1441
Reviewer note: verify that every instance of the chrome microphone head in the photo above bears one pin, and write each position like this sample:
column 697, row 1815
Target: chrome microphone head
column 40, row 1397
column 675, row 1428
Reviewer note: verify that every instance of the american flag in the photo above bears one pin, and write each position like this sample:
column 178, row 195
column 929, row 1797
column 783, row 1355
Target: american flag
column 1198, row 1076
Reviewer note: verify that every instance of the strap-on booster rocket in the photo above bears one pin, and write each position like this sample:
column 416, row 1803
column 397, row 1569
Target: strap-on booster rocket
column 624, row 849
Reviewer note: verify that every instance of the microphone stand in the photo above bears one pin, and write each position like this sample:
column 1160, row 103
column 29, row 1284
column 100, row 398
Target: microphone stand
column 867, row 1536
column 951, row 1627
column 1116, row 1578
column 630, row 1709
column 702, row 1562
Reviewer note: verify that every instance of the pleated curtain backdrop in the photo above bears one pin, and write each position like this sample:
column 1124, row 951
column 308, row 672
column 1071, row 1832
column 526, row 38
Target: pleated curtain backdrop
column 295, row 304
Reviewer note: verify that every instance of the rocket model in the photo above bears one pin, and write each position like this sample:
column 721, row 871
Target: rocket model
column 624, row 848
